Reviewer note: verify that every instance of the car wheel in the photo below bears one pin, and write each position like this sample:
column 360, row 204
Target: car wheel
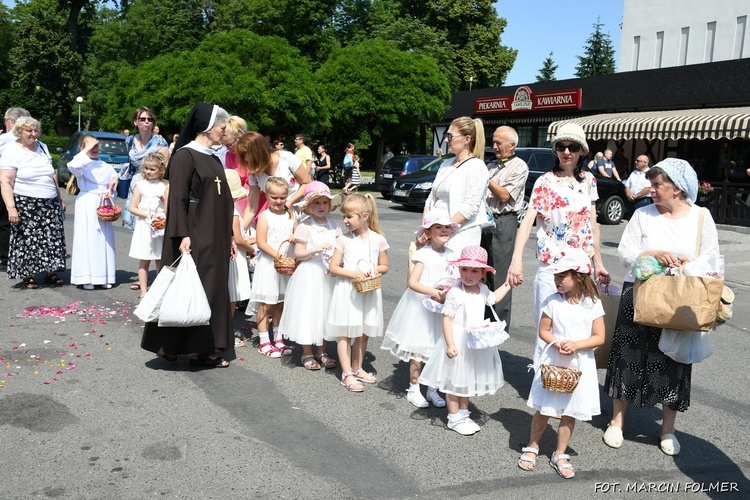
column 386, row 195
column 612, row 210
column 522, row 210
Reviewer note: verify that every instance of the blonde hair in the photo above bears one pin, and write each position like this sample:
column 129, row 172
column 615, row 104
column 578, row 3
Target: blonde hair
column 236, row 125
column 473, row 128
column 82, row 140
column 280, row 183
column 254, row 152
column 26, row 121
column 584, row 285
column 155, row 159
column 308, row 203
column 362, row 204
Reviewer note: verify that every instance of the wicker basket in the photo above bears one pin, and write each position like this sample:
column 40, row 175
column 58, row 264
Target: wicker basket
column 282, row 263
column 367, row 283
column 108, row 211
column 558, row 379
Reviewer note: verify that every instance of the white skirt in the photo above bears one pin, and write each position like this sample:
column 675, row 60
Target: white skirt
column 308, row 296
column 353, row 314
column 413, row 330
column 473, row 372
column 239, row 278
column 269, row 287
column 143, row 246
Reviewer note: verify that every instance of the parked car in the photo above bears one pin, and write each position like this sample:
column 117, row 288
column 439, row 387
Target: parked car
column 397, row 167
column 112, row 149
column 610, row 207
column 412, row 190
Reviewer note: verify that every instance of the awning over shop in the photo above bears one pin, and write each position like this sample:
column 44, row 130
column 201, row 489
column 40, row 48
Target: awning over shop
column 717, row 123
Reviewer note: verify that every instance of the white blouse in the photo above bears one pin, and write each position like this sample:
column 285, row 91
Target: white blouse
column 649, row 230
column 34, row 171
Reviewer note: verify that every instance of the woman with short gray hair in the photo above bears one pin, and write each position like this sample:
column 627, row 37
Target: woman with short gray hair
column 35, row 209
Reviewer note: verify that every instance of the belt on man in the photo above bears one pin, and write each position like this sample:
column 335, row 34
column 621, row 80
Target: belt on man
column 497, row 216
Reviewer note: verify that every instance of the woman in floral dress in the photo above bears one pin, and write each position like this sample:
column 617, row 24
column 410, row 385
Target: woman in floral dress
column 563, row 204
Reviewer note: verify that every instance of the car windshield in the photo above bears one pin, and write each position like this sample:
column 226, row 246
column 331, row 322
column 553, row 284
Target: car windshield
column 434, row 165
column 113, row 147
column 396, row 163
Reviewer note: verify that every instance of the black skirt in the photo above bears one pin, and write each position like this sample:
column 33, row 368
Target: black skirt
column 37, row 242
column 637, row 371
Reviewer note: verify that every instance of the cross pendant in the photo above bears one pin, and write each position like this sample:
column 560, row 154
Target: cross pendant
column 218, row 185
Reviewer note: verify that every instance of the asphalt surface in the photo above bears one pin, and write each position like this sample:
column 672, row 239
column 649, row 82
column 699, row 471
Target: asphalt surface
column 86, row 413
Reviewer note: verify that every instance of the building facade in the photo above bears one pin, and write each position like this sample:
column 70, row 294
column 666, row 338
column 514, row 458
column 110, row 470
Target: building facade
column 683, row 32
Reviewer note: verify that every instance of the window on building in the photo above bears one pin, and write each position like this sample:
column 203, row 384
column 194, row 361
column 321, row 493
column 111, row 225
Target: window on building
column 636, row 52
column 684, row 38
column 541, row 137
column 524, row 137
column 659, row 49
column 708, row 53
column 739, row 37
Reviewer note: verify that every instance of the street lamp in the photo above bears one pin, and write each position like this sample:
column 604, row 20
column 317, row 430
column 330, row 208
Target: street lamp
column 79, row 100
column 471, row 80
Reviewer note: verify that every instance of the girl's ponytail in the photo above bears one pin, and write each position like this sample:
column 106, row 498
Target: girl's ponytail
column 373, row 210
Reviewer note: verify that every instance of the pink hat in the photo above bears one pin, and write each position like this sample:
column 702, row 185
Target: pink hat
column 570, row 259
column 437, row 216
column 316, row 189
column 473, row 256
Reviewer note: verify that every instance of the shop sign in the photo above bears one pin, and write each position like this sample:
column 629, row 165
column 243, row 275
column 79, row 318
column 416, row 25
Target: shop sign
column 526, row 100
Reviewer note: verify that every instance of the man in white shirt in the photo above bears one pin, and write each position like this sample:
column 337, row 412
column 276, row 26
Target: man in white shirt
column 637, row 187
column 11, row 115
column 505, row 194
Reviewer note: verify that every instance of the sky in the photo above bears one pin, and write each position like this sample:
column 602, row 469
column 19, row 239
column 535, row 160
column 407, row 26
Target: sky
column 537, row 27
column 534, row 28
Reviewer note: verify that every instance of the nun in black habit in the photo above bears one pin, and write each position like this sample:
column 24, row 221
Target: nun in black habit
column 199, row 221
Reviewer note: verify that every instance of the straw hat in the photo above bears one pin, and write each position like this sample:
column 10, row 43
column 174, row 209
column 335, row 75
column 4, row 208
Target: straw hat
column 317, row 189
column 235, row 184
column 437, row 216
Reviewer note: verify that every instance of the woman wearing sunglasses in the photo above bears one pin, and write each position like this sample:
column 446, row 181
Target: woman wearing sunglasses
column 563, row 205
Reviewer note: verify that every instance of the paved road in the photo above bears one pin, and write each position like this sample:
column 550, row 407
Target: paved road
column 85, row 413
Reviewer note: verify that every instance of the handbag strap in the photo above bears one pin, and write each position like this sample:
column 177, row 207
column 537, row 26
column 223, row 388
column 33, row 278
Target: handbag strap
column 701, row 215
column 453, row 169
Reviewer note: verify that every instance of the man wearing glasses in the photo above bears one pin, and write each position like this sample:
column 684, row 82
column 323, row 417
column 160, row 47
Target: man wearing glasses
column 505, row 192
column 637, row 187
column 11, row 115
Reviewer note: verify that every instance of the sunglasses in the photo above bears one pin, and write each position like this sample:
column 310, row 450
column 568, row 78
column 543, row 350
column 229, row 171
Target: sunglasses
column 573, row 148
column 145, row 119
column 449, row 137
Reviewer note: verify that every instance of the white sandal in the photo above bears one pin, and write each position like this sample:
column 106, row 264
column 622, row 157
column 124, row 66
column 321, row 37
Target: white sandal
column 559, row 468
column 531, row 460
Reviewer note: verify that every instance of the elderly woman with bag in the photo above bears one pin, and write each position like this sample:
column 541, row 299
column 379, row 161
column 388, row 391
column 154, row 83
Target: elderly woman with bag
column 637, row 370
column 35, row 208
column 460, row 186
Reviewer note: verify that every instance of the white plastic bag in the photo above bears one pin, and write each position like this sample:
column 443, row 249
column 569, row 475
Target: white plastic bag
column 686, row 347
column 148, row 308
column 185, row 303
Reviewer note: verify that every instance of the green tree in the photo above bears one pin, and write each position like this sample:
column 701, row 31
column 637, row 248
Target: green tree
column 262, row 79
column 599, row 54
column 547, row 73
column 368, row 102
column 46, row 74
column 473, row 28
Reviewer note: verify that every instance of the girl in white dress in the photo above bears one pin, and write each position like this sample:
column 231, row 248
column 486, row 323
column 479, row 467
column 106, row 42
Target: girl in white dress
column 414, row 330
column 456, row 370
column 354, row 317
column 239, row 275
column 308, row 293
column 275, row 226
column 147, row 206
column 572, row 319
column 93, row 260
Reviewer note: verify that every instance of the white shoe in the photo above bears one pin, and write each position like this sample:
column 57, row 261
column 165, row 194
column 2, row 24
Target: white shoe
column 88, row 286
column 669, row 445
column 613, row 437
column 473, row 425
column 416, row 398
column 107, row 286
column 463, row 426
column 433, row 396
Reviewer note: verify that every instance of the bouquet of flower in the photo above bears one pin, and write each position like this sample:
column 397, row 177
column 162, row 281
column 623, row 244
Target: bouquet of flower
column 705, row 187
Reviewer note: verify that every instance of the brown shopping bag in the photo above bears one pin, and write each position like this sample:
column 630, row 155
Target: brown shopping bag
column 610, row 297
column 688, row 303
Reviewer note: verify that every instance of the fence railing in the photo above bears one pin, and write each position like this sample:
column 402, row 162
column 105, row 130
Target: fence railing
column 728, row 203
